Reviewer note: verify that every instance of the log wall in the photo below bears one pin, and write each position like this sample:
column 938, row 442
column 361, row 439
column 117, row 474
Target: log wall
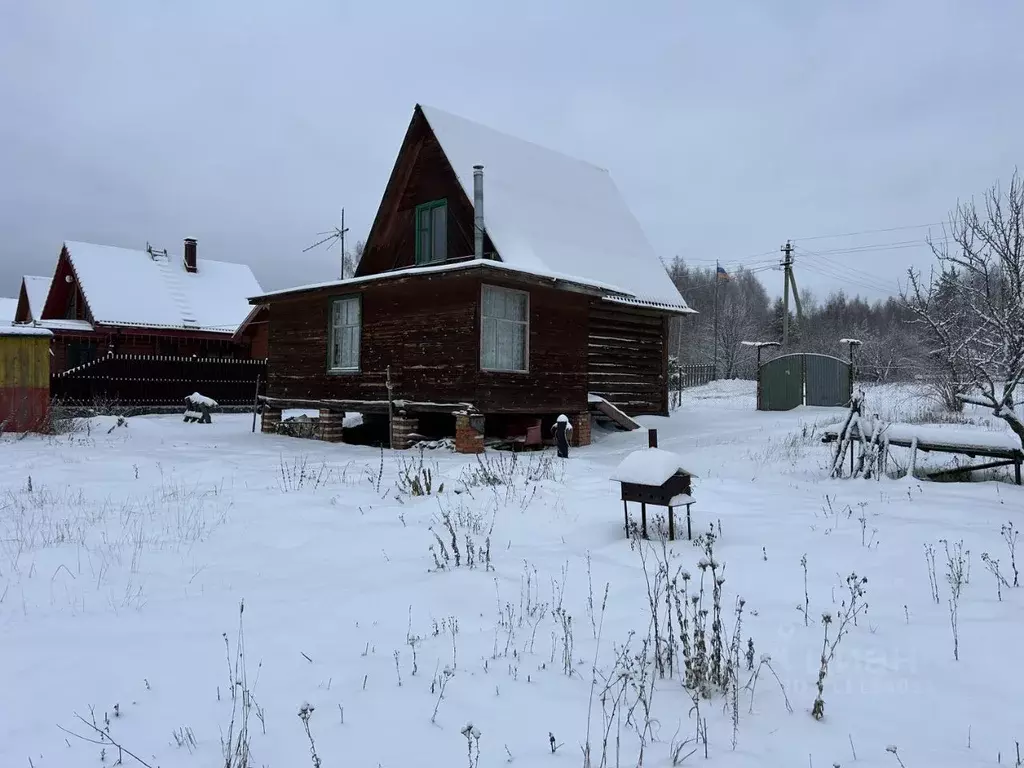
column 627, row 358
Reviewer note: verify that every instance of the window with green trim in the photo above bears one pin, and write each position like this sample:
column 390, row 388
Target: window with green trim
column 432, row 232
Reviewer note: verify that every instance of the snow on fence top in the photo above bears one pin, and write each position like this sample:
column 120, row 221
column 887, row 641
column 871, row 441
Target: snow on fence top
column 649, row 466
column 548, row 212
column 131, row 287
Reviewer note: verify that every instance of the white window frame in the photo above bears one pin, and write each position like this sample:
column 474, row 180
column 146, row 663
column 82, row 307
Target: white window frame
column 526, row 328
column 333, row 327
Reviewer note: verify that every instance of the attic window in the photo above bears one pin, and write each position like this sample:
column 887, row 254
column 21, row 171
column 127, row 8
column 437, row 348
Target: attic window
column 432, row 232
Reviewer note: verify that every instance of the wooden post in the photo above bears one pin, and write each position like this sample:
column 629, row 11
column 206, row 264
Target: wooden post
column 255, row 403
column 671, row 525
column 689, row 533
column 387, row 383
column 643, row 518
column 652, row 438
column 625, row 516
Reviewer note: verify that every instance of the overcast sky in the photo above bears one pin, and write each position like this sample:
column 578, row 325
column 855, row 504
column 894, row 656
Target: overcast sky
column 729, row 126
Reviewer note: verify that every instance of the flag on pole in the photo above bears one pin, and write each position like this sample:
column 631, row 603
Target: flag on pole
column 720, row 273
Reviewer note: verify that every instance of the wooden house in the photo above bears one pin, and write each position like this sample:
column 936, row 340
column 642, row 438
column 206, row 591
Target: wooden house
column 104, row 300
column 501, row 283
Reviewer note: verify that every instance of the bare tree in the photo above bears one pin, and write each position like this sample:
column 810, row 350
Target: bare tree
column 974, row 311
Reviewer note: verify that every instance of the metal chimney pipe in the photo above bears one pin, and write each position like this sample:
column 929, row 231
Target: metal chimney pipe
column 478, row 211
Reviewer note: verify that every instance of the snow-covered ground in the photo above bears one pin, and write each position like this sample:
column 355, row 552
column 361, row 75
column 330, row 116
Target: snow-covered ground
column 126, row 551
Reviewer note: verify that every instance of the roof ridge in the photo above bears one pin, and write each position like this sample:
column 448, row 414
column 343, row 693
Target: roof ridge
column 484, row 126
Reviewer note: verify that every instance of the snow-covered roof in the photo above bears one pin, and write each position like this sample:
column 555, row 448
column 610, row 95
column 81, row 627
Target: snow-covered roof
column 649, row 466
column 8, row 309
column 133, row 287
column 550, row 213
column 23, row 330
column 64, row 324
column 36, row 290
column 441, row 267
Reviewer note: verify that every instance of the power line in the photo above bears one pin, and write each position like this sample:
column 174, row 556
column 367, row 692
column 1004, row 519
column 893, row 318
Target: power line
column 871, row 231
column 847, row 279
column 841, row 266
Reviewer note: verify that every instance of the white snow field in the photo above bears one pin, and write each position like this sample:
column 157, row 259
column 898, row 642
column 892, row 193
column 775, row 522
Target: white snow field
column 126, row 551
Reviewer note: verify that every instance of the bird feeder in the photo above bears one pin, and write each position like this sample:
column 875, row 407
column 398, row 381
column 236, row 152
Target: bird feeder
column 655, row 476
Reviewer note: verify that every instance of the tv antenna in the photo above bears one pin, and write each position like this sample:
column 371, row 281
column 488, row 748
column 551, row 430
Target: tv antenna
column 332, row 236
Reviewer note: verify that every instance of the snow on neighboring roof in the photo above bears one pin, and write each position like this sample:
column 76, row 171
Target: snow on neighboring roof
column 649, row 466
column 63, row 324
column 8, row 309
column 131, row 287
column 547, row 212
column 23, row 330
column 36, row 290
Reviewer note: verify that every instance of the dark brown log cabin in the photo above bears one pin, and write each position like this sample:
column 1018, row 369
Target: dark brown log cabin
column 487, row 338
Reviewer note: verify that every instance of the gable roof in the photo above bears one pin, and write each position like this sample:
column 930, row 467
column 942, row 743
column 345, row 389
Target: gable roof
column 8, row 308
column 546, row 212
column 130, row 287
column 36, row 290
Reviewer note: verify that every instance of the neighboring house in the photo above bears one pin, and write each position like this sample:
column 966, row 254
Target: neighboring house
column 254, row 331
column 8, row 308
column 104, row 299
column 522, row 289
column 31, row 298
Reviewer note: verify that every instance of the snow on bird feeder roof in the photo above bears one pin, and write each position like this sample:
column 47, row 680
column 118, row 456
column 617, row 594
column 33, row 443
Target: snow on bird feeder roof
column 649, row 466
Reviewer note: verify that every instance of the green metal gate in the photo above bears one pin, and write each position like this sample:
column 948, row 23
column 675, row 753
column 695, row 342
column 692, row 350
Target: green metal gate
column 780, row 383
column 791, row 380
column 827, row 380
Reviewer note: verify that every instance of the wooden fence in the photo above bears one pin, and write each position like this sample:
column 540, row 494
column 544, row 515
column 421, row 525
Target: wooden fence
column 159, row 380
column 690, row 376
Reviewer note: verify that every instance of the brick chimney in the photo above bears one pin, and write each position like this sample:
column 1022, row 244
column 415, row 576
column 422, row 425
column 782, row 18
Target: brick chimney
column 190, row 254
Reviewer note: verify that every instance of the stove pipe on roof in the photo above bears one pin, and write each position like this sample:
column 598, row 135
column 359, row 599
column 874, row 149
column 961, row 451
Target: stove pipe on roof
column 478, row 211
column 190, row 255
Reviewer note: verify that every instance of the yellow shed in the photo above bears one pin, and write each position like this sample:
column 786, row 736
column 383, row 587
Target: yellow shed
column 24, row 378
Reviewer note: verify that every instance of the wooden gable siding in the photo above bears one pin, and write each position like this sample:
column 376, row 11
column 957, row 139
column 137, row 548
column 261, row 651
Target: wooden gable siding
column 427, row 328
column 23, row 313
column 421, row 174
column 627, row 358
column 62, row 291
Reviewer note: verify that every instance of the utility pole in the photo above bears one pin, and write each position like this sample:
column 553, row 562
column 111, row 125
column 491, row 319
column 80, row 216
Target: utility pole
column 789, row 281
column 717, row 278
column 787, row 266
